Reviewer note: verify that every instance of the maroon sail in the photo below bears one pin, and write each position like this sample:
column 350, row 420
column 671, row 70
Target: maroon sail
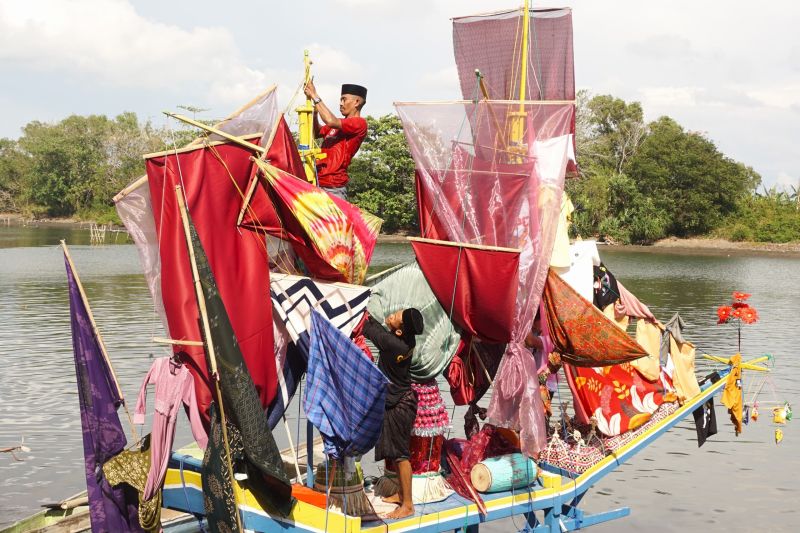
column 472, row 285
column 492, row 43
column 212, row 178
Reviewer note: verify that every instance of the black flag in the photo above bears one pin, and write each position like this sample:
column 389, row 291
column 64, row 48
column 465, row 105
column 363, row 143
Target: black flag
column 705, row 420
column 254, row 452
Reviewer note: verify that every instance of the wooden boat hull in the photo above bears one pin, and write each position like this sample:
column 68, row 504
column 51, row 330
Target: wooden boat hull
column 557, row 495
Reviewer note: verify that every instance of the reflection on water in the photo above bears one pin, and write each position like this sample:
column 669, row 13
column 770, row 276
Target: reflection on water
column 38, row 399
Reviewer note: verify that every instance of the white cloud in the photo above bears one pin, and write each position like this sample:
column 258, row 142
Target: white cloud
column 330, row 62
column 444, row 80
column 787, row 183
column 107, row 41
column 779, row 95
column 669, row 96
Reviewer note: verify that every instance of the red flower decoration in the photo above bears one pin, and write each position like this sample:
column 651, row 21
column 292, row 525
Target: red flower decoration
column 738, row 310
column 749, row 315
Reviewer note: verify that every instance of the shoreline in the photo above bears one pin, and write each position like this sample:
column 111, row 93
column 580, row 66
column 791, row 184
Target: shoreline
column 671, row 245
column 713, row 246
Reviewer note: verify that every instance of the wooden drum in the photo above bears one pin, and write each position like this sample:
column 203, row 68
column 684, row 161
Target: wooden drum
column 502, row 473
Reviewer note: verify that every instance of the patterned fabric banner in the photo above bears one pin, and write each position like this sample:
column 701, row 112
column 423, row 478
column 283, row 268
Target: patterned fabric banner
column 582, row 334
column 334, row 238
column 262, row 459
column 293, row 300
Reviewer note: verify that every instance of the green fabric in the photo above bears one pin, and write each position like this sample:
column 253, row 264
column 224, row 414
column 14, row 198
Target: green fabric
column 132, row 466
column 218, row 499
column 262, row 460
column 406, row 287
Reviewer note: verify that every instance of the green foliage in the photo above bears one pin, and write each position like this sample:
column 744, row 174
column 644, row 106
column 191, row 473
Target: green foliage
column 611, row 205
column 764, row 218
column 687, row 177
column 13, row 168
column 382, row 175
column 76, row 166
column 642, row 182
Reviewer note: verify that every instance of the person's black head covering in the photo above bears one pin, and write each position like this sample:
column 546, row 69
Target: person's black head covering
column 412, row 322
column 412, row 326
column 357, row 90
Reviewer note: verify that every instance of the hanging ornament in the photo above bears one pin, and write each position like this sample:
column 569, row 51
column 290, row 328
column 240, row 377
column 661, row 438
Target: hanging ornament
column 754, row 412
column 778, row 435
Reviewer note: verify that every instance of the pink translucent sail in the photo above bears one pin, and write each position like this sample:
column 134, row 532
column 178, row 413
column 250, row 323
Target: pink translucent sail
column 492, row 173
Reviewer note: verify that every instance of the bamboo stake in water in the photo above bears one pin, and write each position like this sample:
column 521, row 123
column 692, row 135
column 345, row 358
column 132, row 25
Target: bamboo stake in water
column 99, row 338
column 212, row 356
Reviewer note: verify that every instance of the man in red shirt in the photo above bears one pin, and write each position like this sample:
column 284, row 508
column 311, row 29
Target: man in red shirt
column 341, row 137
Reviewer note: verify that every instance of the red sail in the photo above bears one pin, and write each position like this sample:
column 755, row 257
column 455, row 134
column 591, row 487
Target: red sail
column 477, row 285
column 257, row 209
column 212, row 178
column 332, row 237
column 581, row 333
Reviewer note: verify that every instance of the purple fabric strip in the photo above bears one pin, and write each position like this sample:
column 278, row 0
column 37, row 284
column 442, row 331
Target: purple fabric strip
column 110, row 509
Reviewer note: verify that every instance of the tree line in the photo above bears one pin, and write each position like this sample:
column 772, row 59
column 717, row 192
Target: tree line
column 639, row 181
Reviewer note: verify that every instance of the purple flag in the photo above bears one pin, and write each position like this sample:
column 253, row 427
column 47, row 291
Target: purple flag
column 111, row 509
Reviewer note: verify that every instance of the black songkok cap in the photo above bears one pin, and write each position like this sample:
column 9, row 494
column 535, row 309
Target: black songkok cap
column 357, row 90
column 412, row 322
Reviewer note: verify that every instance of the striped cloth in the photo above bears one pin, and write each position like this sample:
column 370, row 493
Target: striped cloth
column 345, row 392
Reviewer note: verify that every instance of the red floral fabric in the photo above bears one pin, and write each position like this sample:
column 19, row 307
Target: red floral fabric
column 617, row 396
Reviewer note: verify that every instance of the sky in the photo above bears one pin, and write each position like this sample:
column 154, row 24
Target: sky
column 729, row 69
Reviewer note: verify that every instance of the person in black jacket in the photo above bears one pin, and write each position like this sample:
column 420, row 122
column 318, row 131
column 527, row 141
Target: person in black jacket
column 395, row 346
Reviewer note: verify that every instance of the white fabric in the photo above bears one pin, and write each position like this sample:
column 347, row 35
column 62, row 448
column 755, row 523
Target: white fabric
column 580, row 275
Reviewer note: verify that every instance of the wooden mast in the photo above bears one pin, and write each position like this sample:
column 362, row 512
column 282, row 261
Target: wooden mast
column 517, row 132
column 212, row 356
column 99, row 338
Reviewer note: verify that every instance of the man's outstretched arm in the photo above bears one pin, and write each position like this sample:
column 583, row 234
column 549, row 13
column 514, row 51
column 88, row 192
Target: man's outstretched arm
column 321, row 109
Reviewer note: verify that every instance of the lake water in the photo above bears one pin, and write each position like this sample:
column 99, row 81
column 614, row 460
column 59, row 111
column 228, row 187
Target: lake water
column 730, row 484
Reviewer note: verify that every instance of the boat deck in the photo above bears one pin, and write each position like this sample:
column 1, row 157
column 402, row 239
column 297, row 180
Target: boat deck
column 551, row 504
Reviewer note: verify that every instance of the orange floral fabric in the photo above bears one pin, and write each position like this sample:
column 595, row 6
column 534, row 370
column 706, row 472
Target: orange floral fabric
column 581, row 333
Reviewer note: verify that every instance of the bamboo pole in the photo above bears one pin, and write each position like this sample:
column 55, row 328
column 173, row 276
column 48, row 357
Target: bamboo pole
column 294, row 450
column 211, row 129
column 465, row 245
column 212, row 356
column 193, row 147
column 523, row 76
column 143, row 179
column 747, row 365
column 99, row 338
column 177, row 342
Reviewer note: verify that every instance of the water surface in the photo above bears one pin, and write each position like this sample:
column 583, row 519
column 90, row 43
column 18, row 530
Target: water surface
column 731, row 484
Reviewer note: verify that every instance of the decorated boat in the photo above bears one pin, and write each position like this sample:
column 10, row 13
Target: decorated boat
column 260, row 278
